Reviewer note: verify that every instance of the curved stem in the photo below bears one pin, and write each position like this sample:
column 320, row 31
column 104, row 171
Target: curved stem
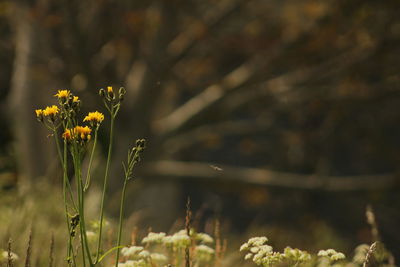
column 121, row 215
column 105, row 183
column 87, row 183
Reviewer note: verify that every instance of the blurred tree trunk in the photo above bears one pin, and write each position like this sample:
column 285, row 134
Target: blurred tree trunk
column 33, row 149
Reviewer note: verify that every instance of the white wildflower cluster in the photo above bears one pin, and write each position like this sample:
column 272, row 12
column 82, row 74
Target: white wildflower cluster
column 154, row 238
column 179, row 240
column 296, row 255
column 204, row 253
column 263, row 255
column 331, row 254
column 137, row 257
column 156, row 247
column 4, row 256
column 135, row 252
column 254, row 242
column 203, row 238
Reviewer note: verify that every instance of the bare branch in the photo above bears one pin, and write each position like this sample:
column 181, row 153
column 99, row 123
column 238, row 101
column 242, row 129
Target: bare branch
column 198, row 104
column 286, row 86
column 179, row 47
column 238, row 127
column 254, row 176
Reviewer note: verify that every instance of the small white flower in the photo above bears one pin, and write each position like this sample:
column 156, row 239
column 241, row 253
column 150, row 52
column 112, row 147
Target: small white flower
column 154, row 238
column 245, row 246
column 131, row 251
column 266, row 248
column 338, row 256
column 257, row 241
column 248, row 256
column 254, row 249
column 144, row 254
column 322, row 253
column 331, row 251
column 204, row 249
column 204, row 238
column 178, row 240
column 332, row 254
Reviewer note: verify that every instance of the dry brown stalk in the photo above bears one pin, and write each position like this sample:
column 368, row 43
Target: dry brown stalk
column 9, row 257
column 29, row 250
column 51, row 255
column 188, row 220
column 370, row 253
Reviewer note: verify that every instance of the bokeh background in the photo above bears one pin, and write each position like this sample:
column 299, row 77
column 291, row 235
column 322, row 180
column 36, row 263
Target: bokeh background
column 278, row 118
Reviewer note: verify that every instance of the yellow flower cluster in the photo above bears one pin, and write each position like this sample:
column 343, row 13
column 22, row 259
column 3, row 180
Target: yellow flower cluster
column 65, row 115
column 79, row 132
column 83, row 132
column 96, row 117
column 48, row 111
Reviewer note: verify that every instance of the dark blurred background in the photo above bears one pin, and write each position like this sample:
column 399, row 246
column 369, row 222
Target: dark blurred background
column 274, row 115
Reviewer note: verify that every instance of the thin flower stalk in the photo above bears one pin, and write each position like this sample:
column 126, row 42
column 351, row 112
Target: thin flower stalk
column 133, row 158
column 110, row 147
column 87, row 182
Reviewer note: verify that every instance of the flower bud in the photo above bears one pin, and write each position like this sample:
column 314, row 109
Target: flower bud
column 110, row 92
column 102, row 92
column 121, row 93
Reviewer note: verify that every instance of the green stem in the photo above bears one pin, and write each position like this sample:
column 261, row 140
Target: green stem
column 75, row 155
column 84, row 230
column 63, row 160
column 90, row 163
column 82, row 226
column 64, row 167
column 65, row 178
column 105, row 182
column 121, row 215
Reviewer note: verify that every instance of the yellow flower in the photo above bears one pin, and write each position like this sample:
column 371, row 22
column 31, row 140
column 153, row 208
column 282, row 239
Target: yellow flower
column 62, row 94
column 67, row 135
column 50, row 111
column 94, row 117
column 83, row 132
column 39, row 112
column 75, row 99
column 110, row 92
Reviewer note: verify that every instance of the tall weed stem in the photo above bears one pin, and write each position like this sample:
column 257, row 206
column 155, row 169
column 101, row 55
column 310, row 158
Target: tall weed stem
column 110, row 146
